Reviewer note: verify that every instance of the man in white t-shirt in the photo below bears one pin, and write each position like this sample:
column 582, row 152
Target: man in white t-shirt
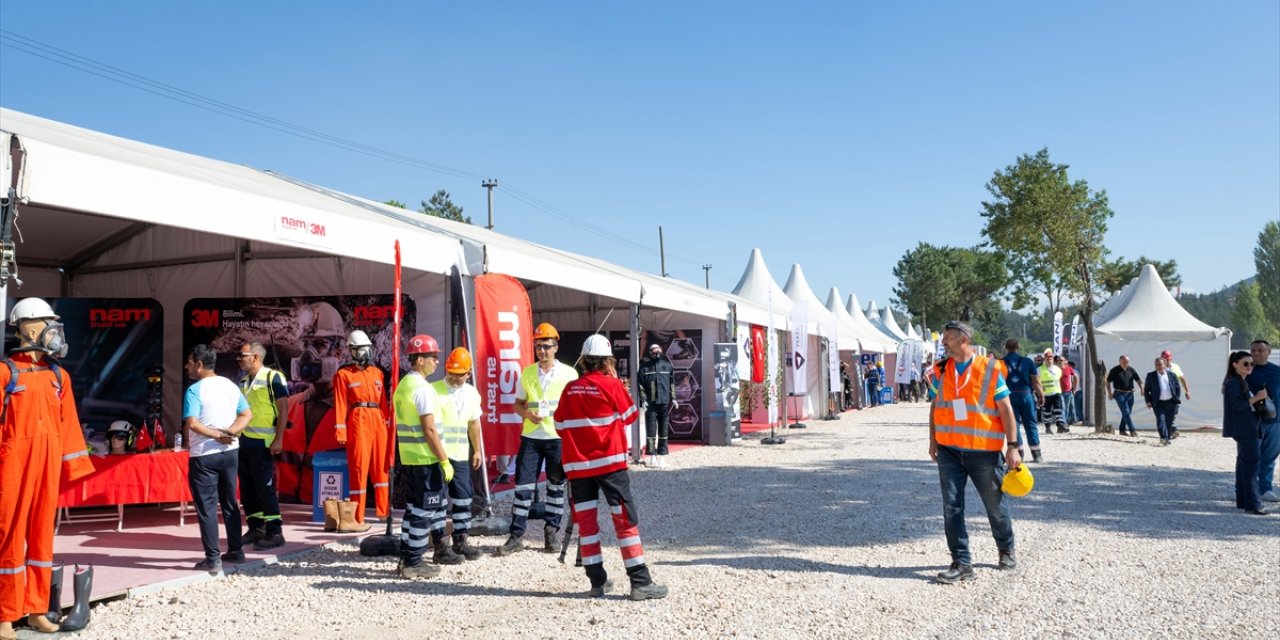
column 214, row 413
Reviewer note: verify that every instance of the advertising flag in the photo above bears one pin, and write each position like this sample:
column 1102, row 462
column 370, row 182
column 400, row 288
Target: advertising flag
column 800, row 348
column 503, row 344
column 1057, row 333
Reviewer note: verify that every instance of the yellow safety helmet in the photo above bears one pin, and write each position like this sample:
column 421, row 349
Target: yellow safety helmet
column 1018, row 482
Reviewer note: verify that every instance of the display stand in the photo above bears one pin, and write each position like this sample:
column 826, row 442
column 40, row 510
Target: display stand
column 797, row 424
column 774, row 438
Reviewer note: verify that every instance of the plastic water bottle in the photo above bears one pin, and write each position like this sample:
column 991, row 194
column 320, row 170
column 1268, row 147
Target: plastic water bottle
column 177, row 441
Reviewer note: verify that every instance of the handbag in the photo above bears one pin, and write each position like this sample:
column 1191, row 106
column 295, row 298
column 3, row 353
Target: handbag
column 1266, row 409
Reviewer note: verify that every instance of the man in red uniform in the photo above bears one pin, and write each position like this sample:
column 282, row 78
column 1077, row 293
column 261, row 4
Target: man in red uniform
column 40, row 439
column 592, row 420
column 361, row 408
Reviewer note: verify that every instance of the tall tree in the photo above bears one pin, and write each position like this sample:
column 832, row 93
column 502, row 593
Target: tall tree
column 1266, row 257
column 1115, row 274
column 1248, row 321
column 441, row 206
column 396, row 203
column 950, row 283
column 1051, row 229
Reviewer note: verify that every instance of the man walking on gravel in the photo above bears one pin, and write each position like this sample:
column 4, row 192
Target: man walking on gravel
column 970, row 424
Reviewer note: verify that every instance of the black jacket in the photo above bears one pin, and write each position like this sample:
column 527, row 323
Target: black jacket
column 657, row 381
column 1151, row 390
column 1238, row 419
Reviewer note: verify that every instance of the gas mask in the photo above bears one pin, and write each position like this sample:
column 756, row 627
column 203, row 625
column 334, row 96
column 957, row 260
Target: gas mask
column 52, row 340
column 361, row 355
column 311, row 367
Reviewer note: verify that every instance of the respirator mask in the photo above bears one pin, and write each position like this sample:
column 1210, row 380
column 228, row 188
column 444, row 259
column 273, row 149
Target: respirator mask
column 312, row 367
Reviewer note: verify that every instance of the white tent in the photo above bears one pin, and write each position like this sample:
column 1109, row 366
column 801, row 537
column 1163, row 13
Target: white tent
column 1146, row 320
column 797, row 288
column 869, row 329
column 891, row 324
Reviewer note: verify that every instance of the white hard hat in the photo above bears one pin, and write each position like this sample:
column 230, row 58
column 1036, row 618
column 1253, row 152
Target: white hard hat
column 358, row 338
column 597, row 345
column 119, row 425
column 31, row 309
column 320, row 320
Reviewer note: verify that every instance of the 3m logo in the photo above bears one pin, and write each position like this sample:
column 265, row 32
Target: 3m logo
column 99, row 318
column 373, row 315
column 204, row 318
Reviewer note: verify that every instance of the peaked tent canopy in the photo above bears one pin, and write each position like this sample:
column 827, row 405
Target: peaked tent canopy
column 798, row 290
column 891, row 324
column 757, row 285
column 887, row 345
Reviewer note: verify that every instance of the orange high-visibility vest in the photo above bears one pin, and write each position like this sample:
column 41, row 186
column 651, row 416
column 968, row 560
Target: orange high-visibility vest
column 981, row 428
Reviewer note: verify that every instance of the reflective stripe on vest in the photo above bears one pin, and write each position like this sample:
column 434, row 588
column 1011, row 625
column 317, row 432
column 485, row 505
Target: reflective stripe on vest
column 1050, row 380
column 258, row 395
column 562, row 375
column 981, row 430
column 452, row 425
column 410, row 437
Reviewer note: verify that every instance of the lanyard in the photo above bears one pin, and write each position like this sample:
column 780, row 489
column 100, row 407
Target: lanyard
column 968, row 371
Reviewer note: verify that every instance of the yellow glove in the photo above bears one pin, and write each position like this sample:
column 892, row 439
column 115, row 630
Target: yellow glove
column 447, row 468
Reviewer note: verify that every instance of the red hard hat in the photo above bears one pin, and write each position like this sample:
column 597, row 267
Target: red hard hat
column 1166, row 354
column 423, row 343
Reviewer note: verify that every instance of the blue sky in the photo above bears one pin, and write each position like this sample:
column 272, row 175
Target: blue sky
column 834, row 135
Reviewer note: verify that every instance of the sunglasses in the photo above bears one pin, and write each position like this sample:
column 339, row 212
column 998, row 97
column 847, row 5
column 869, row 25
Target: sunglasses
column 544, row 347
column 1247, row 364
column 242, row 356
column 120, row 436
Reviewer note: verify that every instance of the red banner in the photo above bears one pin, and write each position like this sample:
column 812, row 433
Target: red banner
column 757, row 353
column 503, row 346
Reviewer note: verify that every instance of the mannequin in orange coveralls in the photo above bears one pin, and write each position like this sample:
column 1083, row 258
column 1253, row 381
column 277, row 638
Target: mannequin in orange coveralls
column 39, row 439
column 361, row 409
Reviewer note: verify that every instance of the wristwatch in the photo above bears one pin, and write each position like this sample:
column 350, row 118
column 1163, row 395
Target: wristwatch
column 1012, row 444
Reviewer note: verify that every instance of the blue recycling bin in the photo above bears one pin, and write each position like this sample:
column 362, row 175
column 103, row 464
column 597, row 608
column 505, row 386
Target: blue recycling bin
column 886, row 395
column 328, row 480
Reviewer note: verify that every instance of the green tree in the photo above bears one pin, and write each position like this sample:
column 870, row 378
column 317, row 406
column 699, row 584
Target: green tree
column 1115, row 274
column 395, row 203
column 441, row 206
column 1051, row 230
column 950, row 283
column 1266, row 257
column 1248, row 321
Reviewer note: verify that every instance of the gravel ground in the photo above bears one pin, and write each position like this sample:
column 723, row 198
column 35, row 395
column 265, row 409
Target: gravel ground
column 835, row 534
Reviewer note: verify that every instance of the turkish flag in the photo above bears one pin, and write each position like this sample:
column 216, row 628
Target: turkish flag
column 503, row 346
column 757, row 353
column 143, row 440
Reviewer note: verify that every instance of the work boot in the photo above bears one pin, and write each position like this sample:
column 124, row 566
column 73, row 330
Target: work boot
column 444, row 554
column 233, row 556
column 1007, row 561
column 598, row 592
column 549, row 542
column 512, row 545
column 55, row 595
column 421, row 571
column 651, row 591
column 463, row 548
column 331, row 514
column 1063, row 429
column 269, row 542
column 956, row 573
column 78, row 617
column 1035, row 456
column 347, row 518
column 253, row 535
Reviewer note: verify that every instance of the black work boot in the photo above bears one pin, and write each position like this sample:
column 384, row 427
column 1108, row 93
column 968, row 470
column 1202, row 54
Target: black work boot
column 444, row 554
column 464, row 548
column 549, row 542
column 55, row 595
column 651, row 591
column 253, row 535
column 956, row 573
column 600, row 591
column 1035, row 456
column 1007, row 561
column 512, row 545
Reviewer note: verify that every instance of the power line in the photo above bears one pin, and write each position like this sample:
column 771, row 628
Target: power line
column 111, row 73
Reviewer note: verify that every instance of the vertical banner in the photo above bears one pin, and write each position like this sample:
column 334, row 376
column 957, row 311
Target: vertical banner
column 502, row 347
column 800, row 348
column 727, row 392
column 746, row 355
column 758, row 350
column 1074, row 338
column 833, row 355
column 1057, row 333
column 771, row 365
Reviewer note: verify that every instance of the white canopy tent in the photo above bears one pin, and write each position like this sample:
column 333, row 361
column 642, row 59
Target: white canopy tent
column 873, row 333
column 797, row 288
column 1146, row 321
column 890, row 323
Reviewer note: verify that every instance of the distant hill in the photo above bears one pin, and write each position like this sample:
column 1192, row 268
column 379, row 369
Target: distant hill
column 1214, row 309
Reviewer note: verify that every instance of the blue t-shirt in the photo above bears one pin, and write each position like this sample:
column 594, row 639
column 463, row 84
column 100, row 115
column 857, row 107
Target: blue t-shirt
column 1022, row 372
column 1267, row 375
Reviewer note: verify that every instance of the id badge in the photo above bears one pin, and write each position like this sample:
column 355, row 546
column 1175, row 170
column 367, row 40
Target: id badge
column 958, row 408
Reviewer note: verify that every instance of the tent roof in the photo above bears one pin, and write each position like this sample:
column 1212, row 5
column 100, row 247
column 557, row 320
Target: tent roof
column 912, row 334
column 100, row 190
column 891, row 324
column 887, row 344
column 1149, row 312
column 797, row 288
column 756, row 285
column 851, row 333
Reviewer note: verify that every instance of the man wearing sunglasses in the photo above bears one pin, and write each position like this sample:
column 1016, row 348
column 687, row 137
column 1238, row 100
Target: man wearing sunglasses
column 537, row 397
column 1266, row 375
column 265, row 390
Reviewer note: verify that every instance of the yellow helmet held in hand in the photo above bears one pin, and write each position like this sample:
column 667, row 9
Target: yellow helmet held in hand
column 1018, row 482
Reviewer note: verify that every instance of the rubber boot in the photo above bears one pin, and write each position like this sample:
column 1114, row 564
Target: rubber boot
column 331, row 514
column 463, row 548
column 78, row 618
column 347, row 518
column 55, row 595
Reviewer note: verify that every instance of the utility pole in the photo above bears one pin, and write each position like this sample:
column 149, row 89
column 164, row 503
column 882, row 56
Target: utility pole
column 490, row 184
column 662, row 252
column 707, row 269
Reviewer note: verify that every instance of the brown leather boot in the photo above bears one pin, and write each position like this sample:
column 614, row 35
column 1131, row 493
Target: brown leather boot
column 331, row 514
column 347, row 518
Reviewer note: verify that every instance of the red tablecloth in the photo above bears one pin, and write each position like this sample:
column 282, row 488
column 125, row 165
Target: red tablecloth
column 135, row 478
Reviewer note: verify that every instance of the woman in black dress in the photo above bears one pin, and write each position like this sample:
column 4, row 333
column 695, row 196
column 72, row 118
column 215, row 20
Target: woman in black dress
column 1241, row 423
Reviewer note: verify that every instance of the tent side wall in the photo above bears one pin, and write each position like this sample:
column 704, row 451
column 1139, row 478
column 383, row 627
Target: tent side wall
column 1203, row 363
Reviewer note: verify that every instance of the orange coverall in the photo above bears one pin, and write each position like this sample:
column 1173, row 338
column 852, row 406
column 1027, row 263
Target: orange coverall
column 40, row 440
column 293, row 467
column 361, row 409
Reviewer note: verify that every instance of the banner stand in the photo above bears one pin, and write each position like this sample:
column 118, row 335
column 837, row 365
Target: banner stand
column 797, row 424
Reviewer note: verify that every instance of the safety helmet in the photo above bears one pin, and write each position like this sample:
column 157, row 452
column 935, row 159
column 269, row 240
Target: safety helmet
column 37, row 309
column 1166, row 354
column 358, row 338
column 545, row 331
column 422, row 343
column 118, row 426
column 597, row 345
column 1018, row 482
column 320, row 320
column 459, row 361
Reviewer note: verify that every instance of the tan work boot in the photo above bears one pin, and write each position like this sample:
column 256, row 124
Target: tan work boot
column 331, row 514
column 347, row 518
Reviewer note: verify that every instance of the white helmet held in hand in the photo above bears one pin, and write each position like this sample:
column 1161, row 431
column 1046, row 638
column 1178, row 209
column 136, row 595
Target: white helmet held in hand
column 31, row 309
column 597, row 345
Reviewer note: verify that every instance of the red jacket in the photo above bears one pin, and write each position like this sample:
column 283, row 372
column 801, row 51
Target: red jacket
column 592, row 419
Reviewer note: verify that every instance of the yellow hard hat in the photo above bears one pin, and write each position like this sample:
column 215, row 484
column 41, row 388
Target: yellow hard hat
column 1018, row 482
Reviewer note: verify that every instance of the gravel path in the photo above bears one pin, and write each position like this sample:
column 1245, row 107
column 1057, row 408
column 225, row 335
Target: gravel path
column 835, row 534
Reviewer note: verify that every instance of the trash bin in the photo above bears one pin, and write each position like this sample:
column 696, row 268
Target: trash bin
column 886, row 395
column 329, row 480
